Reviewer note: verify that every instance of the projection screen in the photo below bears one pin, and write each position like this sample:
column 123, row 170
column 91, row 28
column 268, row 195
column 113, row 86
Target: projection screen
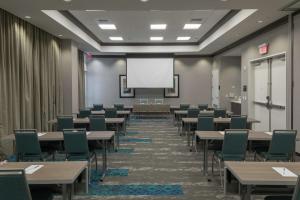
column 150, row 72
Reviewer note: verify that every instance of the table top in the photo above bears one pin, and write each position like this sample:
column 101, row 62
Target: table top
column 87, row 121
column 261, row 173
column 51, row 172
column 184, row 112
column 119, row 112
column 58, row 136
column 217, row 120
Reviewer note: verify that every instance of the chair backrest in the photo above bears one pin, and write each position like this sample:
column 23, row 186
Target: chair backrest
column 206, row 114
column 235, row 145
column 283, row 142
column 13, row 185
column 27, row 145
column 184, row 106
column 98, row 107
column 203, row 107
column 75, row 141
column 296, row 194
column 119, row 106
column 220, row 113
column 64, row 122
column 83, row 113
column 111, row 113
column 97, row 123
column 205, row 124
column 238, row 122
column 193, row 112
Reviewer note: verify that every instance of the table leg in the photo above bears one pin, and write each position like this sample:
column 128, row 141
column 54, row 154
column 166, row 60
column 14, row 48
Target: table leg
column 124, row 127
column 118, row 136
column 247, row 195
column 225, row 181
column 205, row 157
column 87, row 180
column 65, row 192
column 188, row 134
column 104, row 159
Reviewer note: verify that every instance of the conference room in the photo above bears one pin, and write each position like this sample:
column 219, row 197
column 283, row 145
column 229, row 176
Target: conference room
column 149, row 99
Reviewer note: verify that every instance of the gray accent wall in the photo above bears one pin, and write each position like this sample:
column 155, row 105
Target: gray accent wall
column 102, row 82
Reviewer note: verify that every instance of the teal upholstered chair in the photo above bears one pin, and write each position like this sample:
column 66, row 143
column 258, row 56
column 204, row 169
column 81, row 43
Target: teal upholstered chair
column 119, row 106
column 219, row 113
column 97, row 107
column 64, row 122
column 296, row 194
column 205, row 124
column 238, row 122
column 28, row 146
column 192, row 112
column 111, row 113
column 97, row 123
column 206, row 114
column 76, row 147
column 203, row 107
column 282, row 146
column 184, row 106
column 233, row 149
column 13, row 186
column 83, row 113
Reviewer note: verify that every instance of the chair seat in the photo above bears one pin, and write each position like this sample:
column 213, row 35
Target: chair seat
column 274, row 157
column 34, row 157
column 229, row 157
column 80, row 157
column 278, row 198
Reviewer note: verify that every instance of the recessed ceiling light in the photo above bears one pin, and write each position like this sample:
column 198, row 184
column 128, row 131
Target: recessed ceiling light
column 144, row 1
column 158, row 26
column 116, row 38
column 260, row 21
column 27, row 17
column 183, row 38
column 67, row 0
column 60, row 35
column 107, row 26
column 156, row 38
column 94, row 10
column 191, row 26
column 223, row 0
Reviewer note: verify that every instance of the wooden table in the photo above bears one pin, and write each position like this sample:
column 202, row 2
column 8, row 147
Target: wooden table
column 103, row 136
column 187, row 123
column 119, row 122
column 259, row 174
column 207, row 136
column 151, row 108
column 53, row 173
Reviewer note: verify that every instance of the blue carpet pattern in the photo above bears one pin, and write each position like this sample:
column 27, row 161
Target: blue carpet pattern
column 149, row 190
column 123, row 151
column 135, row 140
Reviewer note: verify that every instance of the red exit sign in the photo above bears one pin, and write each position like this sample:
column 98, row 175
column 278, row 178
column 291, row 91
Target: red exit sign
column 263, row 48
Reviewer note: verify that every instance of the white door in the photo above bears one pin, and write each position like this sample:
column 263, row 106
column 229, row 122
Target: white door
column 278, row 93
column 215, row 87
column 261, row 81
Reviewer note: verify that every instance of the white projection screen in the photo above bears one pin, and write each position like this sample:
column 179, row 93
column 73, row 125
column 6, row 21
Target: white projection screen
column 150, row 72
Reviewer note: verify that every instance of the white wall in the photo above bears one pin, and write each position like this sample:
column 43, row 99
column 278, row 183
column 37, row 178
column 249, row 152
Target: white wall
column 103, row 82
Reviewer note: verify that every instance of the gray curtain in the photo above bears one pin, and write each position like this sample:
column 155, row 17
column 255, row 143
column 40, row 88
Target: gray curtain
column 81, row 80
column 30, row 82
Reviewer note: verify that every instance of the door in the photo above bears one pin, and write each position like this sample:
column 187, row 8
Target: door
column 215, row 87
column 270, row 93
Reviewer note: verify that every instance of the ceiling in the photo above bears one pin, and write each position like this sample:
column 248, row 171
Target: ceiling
column 134, row 26
column 133, row 17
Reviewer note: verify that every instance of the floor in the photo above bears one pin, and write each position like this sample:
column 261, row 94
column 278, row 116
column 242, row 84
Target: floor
column 154, row 154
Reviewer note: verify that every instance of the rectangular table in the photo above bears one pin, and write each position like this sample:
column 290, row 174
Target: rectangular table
column 53, row 173
column 251, row 174
column 151, row 108
column 120, row 113
column 119, row 122
column 188, row 122
column 103, row 136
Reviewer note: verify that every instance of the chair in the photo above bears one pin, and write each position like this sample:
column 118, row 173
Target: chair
column 76, row 147
column 203, row 107
column 220, row 113
column 83, row 113
column 97, row 107
column 296, row 194
column 27, row 146
column 184, row 106
column 233, row 149
column 111, row 113
column 13, row 186
column 192, row 112
column 205, row 124
column 238, row 122
column 119, row 106
column 97, row 123
column 64, row 122
column 282, row 146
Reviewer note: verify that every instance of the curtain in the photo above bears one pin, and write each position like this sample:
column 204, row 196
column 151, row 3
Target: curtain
column 81, row 79
column 30, row 82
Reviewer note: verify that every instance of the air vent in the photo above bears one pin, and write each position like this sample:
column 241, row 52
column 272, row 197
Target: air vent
column 196, row 20
column 102, row 20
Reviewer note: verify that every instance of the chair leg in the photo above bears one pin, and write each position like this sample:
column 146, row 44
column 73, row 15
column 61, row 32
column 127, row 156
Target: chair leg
column 96, row 161
column 220, row 170
column 212, row 164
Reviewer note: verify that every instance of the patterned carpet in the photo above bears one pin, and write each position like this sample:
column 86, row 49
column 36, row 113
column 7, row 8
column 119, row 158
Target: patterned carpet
column 157, row 165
